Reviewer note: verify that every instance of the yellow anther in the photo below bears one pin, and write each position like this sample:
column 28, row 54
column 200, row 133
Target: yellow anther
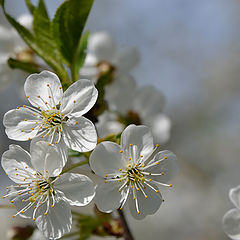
column 106, row 175
column 60, row 87
column 16, row 174
column 42, row 136
column 143, row 165
column 49, row 144
column 32, row 128
column 120, row 208
column 119, row 190
column 130, row 145
column 23, row 200
column 130, row 158
column 163, row 200
column 149, row 174
column 25, row 119
column 53, row 107
column 34, row 219
column 21, row 212
column 49, row 96
column 157, row 145
column 52, row 206
column 120, row 169
column 146, row 196
column 157, row 163
column 119, row 180
column 150, row 179
column 129, row 165
column 36, row 122
column 3, row 197
column 7, row 174
column 38, row 107
column 46, row 103
column 46, row 171
column 32, row 194
column 17, row 107
column 138, row 189
column 131, row 186
column 13, row 216
column 19, row 185
column 59, row 176
column 74, row 101
column 6, row 187
column 22, row 130
column 56, row 142
column 121, row 151
column 15, row 169
column 38, row 96
column 27, row 96
column 134, row 198
column 34, row 114
column 77, row 122
column 51, row 190
column 165, row 157
column 162, row 173
column 138, row 212
column 12, row 201
column 39, row 202
column 170, row 185
column 24, row 106
column 157, row 191
column 47, row 85
column 29, row 138
column 45, row 213
column 141, row 156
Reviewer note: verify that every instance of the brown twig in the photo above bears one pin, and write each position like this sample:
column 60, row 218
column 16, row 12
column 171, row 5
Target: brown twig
column 127, row 233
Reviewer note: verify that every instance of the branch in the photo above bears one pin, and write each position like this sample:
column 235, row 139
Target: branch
column 127, row 233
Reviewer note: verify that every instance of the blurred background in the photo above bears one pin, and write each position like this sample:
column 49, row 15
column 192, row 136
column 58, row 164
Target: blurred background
column 190, row 50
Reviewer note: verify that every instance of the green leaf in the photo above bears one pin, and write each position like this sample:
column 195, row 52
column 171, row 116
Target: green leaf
column 34, row 44
column 25, row 66
column 80, row 54
column 67, row 26
column 30, row 6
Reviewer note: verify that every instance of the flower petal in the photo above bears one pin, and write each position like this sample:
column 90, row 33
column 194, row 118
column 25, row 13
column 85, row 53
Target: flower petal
column 80, row 134
column 120, row 94
column 78, row 189
column 234, row 195
column 148, row 101
column 21, row 124
column 102, row 45
column 146, row 206
column 231, row 223
column 16, row 163
column 46, row 159
column 106, row 158
column 108, row 198
column 127, row 59
column 58, row 220
column 166, row 164
column 139, row 136
column 161, row 126
column 46, row 85
column 79, row 98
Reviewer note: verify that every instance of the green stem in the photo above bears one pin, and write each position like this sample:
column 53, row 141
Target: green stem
column 74, row 166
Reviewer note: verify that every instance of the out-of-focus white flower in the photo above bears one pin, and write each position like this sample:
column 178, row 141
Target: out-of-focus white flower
column 231, row 220
column 41, row 193
column 103, row 54
column 129, row 104
column 11, row 45
column 37, row 235
column 57, row 116
column 132, row 172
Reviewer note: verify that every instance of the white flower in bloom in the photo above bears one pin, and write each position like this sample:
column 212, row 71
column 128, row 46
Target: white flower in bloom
column 231, row 220
column 41, row 193
column 57, row 116
column 132, row 172
column 134, row 105
column 11, row 45
column 103, row 54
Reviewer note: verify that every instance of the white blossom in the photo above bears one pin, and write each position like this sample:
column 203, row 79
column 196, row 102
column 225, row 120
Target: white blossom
column 132, row 171
column 55, row 117
column 103, row 54
column 142, row 105
column 231, row 220
column 40, row 192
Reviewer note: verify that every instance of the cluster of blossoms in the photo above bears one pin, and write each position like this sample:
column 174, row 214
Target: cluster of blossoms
column 131, row 171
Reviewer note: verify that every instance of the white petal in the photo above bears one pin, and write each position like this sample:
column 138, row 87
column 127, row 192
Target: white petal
column 78, row 189
column 57, row 222
column 16, row 126
column 148, row 101
column 139, row 136
column 167, row 166
column 80, row 134
column 234, row 195
column 79, row 98
column 17, row 158
column 26, row 20
column 231, row 224
column 161, row 126
column 44, row 84
column 120, row 94
column 146, row 206
column 106, row 158
column 108, row 198
column 102, row 45
column 127, row 59
column 46, row 159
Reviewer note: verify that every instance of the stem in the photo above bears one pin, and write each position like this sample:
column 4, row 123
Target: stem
column 74, row 166
column 127, row 233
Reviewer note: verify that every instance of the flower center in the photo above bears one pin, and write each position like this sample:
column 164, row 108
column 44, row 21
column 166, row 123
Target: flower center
column 52, row 118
